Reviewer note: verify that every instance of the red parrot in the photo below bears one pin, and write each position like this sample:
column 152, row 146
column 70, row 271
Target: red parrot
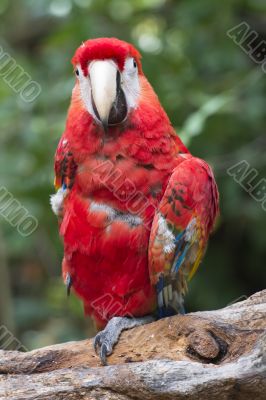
column 135, row 208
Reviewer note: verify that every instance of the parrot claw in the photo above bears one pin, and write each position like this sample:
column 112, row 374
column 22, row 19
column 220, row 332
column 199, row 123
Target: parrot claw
column 103, row 343
column 105, row 340
column 97, row 342
column 68, row 283
column 103, row 354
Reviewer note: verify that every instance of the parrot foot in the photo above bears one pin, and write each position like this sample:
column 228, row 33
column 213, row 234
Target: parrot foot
column 105, row 340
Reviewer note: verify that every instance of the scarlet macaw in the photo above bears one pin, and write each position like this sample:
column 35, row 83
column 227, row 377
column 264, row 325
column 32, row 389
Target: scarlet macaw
column 135, row 208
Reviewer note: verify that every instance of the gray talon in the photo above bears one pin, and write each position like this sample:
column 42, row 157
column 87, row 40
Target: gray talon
column 97, row 341
column 103, row 354
column 103, row 345
column 105, row 340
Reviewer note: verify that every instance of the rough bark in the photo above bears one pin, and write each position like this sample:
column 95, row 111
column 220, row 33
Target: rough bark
column 205, row 355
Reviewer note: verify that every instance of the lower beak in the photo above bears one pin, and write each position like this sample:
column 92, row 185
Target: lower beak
column 107, row 96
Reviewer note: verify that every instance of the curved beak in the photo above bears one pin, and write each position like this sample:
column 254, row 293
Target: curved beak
column 108, row 99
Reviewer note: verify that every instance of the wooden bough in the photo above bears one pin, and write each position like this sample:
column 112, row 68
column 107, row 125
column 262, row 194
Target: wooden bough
column 217, row 354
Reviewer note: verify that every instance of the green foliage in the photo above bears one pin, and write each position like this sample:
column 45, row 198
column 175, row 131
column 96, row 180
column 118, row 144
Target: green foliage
column 214, row 95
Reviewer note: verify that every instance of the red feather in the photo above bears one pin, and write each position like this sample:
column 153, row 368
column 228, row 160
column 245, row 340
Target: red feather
column 104, row 48
column 128, row 171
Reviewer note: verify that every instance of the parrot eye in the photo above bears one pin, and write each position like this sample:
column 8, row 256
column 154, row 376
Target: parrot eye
column 131, row 66
column 77, row 72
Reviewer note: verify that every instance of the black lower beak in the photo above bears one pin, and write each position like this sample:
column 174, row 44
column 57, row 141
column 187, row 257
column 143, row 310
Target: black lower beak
column 118, row 111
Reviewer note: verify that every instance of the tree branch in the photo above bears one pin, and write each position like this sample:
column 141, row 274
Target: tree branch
column 205, row 355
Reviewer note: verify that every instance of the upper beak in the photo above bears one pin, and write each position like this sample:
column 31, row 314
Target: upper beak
column 108, row 99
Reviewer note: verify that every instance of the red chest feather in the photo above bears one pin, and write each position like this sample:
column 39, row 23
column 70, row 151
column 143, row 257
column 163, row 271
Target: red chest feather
column 120, row 178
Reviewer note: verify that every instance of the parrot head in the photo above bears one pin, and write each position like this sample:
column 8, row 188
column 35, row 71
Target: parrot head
column 108, row 74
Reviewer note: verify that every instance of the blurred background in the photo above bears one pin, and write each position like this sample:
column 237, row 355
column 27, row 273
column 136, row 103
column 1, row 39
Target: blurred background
column 214, row 95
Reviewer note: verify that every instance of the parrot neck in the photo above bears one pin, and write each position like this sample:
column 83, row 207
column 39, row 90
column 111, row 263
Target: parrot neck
column 149, row 114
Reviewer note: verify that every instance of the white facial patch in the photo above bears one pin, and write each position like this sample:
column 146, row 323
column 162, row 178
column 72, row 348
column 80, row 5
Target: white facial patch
column 165, row 236
column 85, row 91
column 115, row 215
column 56, row 200
column 130, row 82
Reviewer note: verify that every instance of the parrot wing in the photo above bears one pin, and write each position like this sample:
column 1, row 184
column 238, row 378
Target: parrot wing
column 180, row 231
column 65, row 166
column 65, row 170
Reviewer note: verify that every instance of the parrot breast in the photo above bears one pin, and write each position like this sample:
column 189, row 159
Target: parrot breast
column 106, row 226
column 120, row 178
